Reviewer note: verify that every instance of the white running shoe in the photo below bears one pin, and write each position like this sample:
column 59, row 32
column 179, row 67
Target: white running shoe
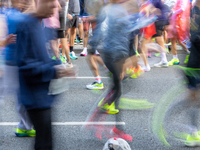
column 84, row 52
column 146, row 68
column 161, row 64
column 97, row 53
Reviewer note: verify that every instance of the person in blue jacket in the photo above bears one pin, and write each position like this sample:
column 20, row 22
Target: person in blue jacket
column 36, row 70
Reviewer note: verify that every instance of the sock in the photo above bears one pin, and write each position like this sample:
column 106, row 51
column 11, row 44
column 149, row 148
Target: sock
column 163, row 57
column 85, row 48
column 71, row 48
column 98, row 79
column 175, row 56
column 188, row 52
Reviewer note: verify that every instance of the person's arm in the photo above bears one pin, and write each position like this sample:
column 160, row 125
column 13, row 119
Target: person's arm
column 8, row 40
column 59, row 7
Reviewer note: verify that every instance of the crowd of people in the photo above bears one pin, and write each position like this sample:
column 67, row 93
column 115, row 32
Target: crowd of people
column 33, row 31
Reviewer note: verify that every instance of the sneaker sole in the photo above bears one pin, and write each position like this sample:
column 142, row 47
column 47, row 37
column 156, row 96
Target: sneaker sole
column 193, row 144
column 23, row 135
column 100, row 88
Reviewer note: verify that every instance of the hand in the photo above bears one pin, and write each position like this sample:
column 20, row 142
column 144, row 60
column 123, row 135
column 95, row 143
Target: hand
column 61, row 71
column 10, row 39
column 69, row 17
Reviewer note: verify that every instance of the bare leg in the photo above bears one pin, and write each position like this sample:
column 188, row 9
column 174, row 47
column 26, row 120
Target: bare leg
column 174, row 48
column 85, row 39
column 72, row 36
column 92, row 61
column 54, row 46
column 144, row 51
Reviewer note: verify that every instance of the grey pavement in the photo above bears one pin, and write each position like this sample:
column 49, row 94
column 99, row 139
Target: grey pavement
column 75, row 104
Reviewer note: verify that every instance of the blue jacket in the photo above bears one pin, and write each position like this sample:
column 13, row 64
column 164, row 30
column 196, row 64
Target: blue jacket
column 35, row 67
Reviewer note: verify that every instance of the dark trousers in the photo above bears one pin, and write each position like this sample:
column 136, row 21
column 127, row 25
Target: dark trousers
column 41, row 119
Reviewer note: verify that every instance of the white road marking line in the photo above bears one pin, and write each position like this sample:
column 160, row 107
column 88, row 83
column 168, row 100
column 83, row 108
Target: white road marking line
column 68, row 123
column 85, row 77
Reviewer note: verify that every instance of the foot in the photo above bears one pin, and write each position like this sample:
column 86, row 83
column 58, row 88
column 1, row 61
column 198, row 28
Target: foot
column 146, row 68
column 25, row 133
column 149, row 55
column 81, row 42
column 161, row 64
column 109, row 109
column 69, row 65
column 192, row 141
column 72, row 55
column 95, row 86
column 174, row 62
column 84, row 52
column 97, row 53
column 121, row 134
column 63, row 59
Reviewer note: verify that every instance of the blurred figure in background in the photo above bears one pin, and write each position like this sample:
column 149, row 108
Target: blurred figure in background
column 10, row 79
column 178, row 30
column 115, row 52
column 36, row 70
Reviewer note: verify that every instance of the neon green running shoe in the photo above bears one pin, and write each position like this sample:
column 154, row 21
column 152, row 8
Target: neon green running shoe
column 192, row 141
column 137, row 54
column 174, row 62
column 63, row 59
column 25, row 133
column 186, row 59
column 157, row 54
column 109, row 109
column 54, row 58
column 95, row 86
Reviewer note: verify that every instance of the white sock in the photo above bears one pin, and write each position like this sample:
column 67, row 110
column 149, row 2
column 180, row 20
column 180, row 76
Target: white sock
column 98, row 79
column 85, row 48
column 175, row 56
column 163, row 57
column 188, row 52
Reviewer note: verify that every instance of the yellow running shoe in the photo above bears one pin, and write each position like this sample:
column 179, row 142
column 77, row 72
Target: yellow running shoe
column 174, row 62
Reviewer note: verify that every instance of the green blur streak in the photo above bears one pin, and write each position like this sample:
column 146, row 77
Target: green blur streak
column 126, row 103
column 161, row 109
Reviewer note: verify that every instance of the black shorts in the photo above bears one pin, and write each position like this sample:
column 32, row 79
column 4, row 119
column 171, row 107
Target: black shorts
column 131, row 48
column 160, row 26
column 50, row 33
column 61, row 34
column 73, row 23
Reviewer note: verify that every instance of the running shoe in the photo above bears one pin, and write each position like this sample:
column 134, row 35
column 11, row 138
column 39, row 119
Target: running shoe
column 54, row 58
column 137, row 72
column 97, row 53
column 69, row 65
column 137, row 54
column 95, row 86
column 25, row 133
column 186, row 59
column 174, row 62
column 161, row 64
column 146, row 68
column 76, row 42
column 192, row 141
column 72, row 55
column 84, row 52
column 121, row 134
column 63, row 59
column 157, row 54
column 149, row 55
column 109, row 109
column 81, row 42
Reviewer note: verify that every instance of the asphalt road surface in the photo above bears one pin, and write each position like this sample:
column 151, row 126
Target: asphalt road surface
column 72, row 108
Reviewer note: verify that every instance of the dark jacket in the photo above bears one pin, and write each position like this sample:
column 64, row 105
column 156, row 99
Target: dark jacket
column 35, row 67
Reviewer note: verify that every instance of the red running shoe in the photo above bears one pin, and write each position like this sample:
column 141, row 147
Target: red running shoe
column 121, row 134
